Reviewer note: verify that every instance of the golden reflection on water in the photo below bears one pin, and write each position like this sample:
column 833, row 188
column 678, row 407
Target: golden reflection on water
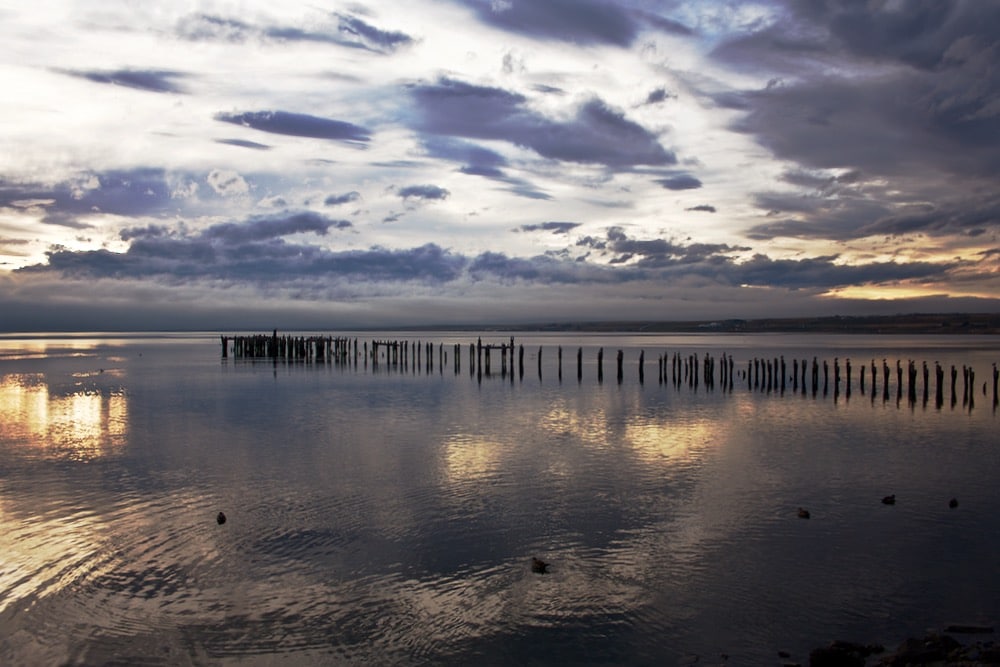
column 83, row 425
column 654, row 440
column 676, row 442
column 467, row 457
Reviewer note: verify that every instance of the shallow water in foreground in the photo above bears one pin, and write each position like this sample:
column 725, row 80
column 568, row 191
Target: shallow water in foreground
column 390, row 517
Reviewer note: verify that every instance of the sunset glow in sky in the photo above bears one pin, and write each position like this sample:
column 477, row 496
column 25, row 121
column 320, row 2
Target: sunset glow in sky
column 238, row 164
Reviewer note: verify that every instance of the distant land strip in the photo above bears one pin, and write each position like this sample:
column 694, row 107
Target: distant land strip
column 943, row 323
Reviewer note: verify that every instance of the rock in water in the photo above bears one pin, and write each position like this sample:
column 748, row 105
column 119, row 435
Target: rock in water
column 221, row 518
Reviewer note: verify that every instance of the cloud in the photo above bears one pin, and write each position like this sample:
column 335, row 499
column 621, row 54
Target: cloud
column 597, row 134
column 297, row 125
column 372, row 37
column 659, row 95
column 227, row 183
column 899, row 106
column 554, row 227
column 125, row 192
column 256, row 254
column 427, row 192
column 706, row 208
column 681, row 182
column 346, row 198
column 154, row 81
column 259, row 228
column 348, row 31
column 577, row 21
column 243, row 143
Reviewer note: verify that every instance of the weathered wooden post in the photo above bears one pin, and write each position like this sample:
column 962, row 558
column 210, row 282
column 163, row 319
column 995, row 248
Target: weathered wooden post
column 899, row 380
column 559, row 354
column 926, row 373
column 539, row 362
column 642, row 360
column 996, row 377
column 621, row 358
column 954, row 377
column 600, row 365
column 520, row 360
column 579, row 364
column 938, row 385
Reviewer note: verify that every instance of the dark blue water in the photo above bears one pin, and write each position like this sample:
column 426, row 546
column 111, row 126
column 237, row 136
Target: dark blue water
column 389, row 515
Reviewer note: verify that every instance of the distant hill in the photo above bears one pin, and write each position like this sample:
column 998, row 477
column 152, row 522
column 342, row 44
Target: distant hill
column 947, row 323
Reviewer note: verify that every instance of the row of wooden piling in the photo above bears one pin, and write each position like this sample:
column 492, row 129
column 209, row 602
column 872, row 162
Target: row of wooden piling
column 761, row 374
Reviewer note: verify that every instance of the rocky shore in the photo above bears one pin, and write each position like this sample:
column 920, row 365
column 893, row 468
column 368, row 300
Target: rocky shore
column 940, row 649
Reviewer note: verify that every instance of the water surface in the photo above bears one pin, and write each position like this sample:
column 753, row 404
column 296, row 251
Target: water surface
column 380, row 514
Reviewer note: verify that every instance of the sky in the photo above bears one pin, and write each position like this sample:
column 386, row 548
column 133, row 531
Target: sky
column 239, row 164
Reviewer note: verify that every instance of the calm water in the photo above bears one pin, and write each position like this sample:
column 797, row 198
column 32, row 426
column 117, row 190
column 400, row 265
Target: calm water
column 388, row 516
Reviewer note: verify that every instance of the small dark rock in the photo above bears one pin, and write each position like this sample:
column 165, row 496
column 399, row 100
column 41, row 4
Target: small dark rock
column 889, row 500
column 539, row 566
column 969, row 629
column 831, row 656
column 804, row 513
column 953, row 503
column 220, row 518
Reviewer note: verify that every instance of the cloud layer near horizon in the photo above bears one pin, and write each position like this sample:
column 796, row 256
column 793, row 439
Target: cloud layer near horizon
column 549, row 160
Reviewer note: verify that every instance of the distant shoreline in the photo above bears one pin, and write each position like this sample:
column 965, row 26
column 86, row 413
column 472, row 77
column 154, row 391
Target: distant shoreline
column 950, row 323
column 907, row 324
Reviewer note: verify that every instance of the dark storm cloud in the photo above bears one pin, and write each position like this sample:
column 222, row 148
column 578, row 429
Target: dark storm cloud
column 346, row 198
column 824, row 273
column 706, row 208
column 577, row 21
column 597, row 134
column 428, row 192
column 350, row 31
column 297, row 125
column 154, row 81
column 924, row 118
column 257, row 252
column 656, row 253
column 259, row 228
column 179, row 259
column 243, row 143
column 681, row 182
column 554, row 227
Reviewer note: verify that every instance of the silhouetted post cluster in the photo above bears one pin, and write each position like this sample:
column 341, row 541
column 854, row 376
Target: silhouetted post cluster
column 768, row 374
column 289, row 348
